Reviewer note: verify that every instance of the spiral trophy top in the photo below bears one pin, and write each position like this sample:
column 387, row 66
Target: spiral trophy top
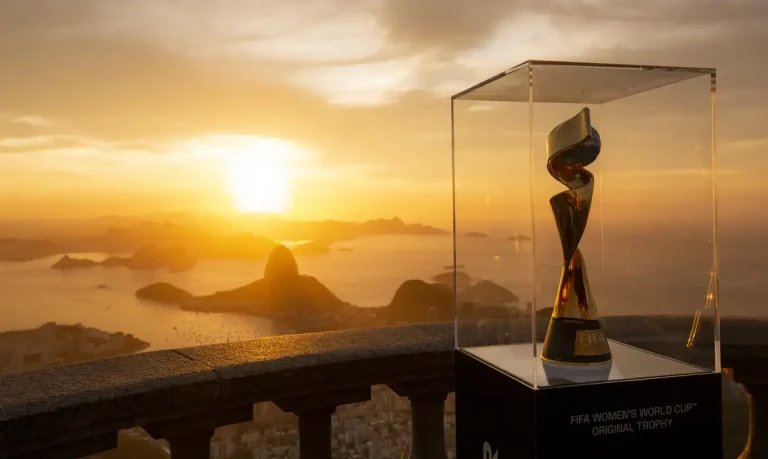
column 571, row 146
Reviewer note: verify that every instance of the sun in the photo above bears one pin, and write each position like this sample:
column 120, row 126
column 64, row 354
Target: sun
column 259, row 180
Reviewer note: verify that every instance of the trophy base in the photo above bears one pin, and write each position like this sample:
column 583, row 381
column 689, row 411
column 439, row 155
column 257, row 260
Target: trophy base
column 504, row 416
column 558, row 373
column 575, row 342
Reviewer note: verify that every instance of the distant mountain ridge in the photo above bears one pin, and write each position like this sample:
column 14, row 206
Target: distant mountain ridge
column 219, row 240
column 173, row 259
column 15, row 249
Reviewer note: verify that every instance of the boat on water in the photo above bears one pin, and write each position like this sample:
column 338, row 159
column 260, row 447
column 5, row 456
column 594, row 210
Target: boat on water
column 451, row 267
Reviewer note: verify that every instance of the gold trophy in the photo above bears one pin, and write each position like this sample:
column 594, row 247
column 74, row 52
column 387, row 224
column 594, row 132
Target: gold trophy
column 574, row 337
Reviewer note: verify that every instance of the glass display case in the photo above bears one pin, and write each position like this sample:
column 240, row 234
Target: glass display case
column 563, row 166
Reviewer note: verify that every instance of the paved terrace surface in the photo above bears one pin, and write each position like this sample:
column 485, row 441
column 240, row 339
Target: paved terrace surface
column 182, row 395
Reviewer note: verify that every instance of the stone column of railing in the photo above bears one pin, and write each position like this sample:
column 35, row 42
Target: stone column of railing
column 190, row 436
column 314, row 413
column 427, row 415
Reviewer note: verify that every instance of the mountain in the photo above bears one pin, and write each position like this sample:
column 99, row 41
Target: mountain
column 244, row 238
column 173, row 259
column 282, row 292
column 418, row 301
column 487, row 293
column 396, row 226
column 14, row 249
column 242, row 241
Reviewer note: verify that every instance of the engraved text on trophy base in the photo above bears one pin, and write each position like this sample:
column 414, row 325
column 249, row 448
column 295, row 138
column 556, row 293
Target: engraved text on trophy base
column 590, row 342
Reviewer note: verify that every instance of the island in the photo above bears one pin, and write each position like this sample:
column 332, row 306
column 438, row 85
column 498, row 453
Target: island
column 418, row 301
column 163, row 292
column 520, row 238
column 282, row 293
column 173, row 259
column 475, row 234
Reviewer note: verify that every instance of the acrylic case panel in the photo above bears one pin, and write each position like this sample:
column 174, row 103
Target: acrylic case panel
column 493, row 222
column 649, row 242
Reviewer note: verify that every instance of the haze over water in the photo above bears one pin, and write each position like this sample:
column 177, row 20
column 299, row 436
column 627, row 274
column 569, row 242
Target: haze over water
column 365, row 272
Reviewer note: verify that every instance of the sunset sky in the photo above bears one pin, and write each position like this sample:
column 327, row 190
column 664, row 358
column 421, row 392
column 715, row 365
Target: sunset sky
column 320, row 109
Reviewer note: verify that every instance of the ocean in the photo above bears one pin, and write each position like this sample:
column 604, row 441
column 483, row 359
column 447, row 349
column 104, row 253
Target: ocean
column 366, row 272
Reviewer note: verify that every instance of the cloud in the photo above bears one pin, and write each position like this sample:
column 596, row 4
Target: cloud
column 692, row 172
column 368, row 177
column 448, row 26
column 14, row 125
column 346, row 38
column 163, row 71
column 223, row 145
column 361, row 84
column 747, row 145
column 299, row 31
column 328, row 47
column 33, row 120
column 481, row 107
column 115, row 88
column 337, row 172
column 45, row 142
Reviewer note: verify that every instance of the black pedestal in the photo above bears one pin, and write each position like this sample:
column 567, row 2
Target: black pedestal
column 502, row 417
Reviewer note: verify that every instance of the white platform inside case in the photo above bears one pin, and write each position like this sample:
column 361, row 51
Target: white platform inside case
column 628, row 363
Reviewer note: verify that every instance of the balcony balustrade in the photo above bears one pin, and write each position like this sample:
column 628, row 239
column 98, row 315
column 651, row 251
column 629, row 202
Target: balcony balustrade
column 183, row 395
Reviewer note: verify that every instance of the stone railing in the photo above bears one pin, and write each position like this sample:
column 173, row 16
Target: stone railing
column 184, row 395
